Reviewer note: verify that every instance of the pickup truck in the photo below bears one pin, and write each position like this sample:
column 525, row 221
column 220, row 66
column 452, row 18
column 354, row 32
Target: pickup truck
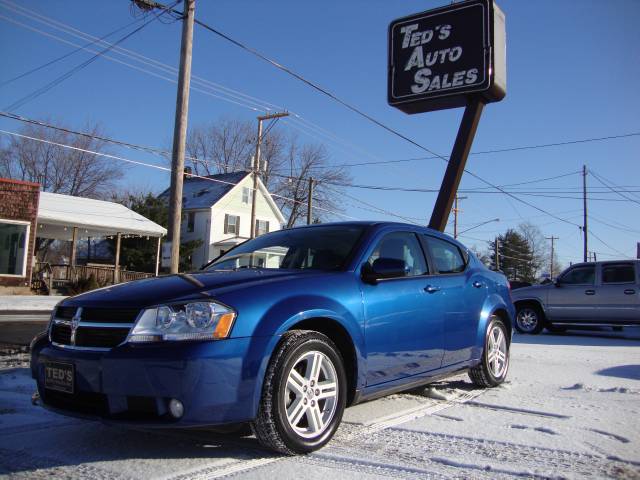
column 586, row 294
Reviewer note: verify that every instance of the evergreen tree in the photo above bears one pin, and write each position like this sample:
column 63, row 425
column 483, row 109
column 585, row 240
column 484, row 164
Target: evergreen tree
column 139, row 253
column 516, row 256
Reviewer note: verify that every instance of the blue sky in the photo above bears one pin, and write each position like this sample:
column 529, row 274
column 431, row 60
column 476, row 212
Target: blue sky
column 573, row 69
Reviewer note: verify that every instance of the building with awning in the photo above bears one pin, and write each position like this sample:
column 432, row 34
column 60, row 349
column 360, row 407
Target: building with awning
column 27, row 213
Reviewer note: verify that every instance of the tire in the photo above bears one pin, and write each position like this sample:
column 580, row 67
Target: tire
column 303, row 364
column 529, row 319
column 492, row 371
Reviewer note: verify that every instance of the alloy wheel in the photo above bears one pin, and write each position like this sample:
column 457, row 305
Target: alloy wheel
column 311, row 395
column 527, row 319
column 497, row 352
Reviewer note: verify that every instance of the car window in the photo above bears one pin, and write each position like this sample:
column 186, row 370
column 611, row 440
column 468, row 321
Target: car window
column 401, row 246
column 622, row 273
column 315, row 248
column 446, row 256
column 579, row 276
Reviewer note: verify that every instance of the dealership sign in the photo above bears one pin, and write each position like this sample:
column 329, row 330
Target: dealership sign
column 441, row 57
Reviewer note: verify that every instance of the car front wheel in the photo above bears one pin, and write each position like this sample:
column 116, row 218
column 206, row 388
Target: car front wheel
column 492, row 370
column 529, row 319
column 303, row 396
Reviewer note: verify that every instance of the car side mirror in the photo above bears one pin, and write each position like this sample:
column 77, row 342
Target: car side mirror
column 384, row 268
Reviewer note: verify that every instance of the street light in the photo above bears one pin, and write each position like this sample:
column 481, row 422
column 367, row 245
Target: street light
column 479, row 225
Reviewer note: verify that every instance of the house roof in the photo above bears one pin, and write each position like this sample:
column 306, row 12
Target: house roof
column 56, row 213
column 202, row 193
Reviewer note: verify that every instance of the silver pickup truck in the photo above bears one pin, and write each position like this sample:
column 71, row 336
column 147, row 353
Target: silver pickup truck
column 586, row 294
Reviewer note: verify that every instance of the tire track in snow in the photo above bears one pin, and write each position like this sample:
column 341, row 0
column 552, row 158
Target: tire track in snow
column 448, row 454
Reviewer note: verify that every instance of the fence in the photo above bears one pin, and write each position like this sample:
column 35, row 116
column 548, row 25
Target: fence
column 47, row 277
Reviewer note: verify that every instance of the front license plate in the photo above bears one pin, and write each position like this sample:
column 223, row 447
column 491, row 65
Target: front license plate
column 59, row 376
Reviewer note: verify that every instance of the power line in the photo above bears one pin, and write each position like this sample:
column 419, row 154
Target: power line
column 236, row 95
column 607, row 245
column 501, row 150
column 66, row 55
column 159, row 167
column 42, row 90
column 618, row 192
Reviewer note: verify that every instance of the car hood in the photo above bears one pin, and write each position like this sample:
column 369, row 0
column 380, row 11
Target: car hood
column 171, row 288
column 528, row 291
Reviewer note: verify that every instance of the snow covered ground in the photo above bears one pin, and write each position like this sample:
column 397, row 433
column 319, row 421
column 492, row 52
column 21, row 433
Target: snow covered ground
column 569, row 410
column 32, row 303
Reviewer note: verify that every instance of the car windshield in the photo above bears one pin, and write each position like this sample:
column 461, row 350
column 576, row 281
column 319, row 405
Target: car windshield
column 317, row 248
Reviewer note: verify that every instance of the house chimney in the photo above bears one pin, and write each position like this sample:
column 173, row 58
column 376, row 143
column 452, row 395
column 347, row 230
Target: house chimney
column 187, row 173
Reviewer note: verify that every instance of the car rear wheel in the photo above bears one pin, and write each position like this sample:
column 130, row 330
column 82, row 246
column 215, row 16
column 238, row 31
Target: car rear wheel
column 303, row 396
column 492, row 370
column 529, row 319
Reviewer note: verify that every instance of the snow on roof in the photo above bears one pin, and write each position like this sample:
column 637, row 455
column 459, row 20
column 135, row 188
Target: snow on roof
column 96, row 215
column 203, row 193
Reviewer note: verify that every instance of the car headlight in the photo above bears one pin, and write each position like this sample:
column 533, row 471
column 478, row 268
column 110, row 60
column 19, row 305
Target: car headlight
column 186, row 321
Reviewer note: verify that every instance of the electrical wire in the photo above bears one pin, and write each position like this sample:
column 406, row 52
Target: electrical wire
column 159, row 167
column 44, row 89
column 66, row 55
column 618, row 192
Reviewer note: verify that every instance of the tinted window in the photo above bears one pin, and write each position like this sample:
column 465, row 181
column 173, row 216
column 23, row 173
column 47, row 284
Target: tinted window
column 401, row 246
column 579, row 276
column 446, row 256
column 624, row 273
column 317, row 248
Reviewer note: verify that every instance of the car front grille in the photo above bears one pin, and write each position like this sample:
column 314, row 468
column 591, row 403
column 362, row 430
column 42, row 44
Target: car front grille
column 92, row 328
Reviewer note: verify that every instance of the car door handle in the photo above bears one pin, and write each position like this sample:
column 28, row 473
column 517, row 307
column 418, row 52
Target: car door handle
column 589, row 292
column 478, row 284
column 431, row 289
column 629, row 291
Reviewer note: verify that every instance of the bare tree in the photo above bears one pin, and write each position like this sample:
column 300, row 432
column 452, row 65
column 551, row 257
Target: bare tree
column 229, row 145
column 221, row 147
column 59, row 169
column 537, row 244
column 306, row 161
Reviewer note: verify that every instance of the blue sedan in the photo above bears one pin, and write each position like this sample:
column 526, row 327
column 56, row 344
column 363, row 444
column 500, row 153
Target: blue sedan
column 282, row 332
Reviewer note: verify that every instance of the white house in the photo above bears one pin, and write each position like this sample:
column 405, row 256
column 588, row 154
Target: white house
column 217, row 210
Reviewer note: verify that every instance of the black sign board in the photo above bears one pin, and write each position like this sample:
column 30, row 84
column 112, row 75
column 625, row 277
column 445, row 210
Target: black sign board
column 440, row 57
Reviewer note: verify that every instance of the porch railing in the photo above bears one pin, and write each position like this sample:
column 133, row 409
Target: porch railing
column 47, row 277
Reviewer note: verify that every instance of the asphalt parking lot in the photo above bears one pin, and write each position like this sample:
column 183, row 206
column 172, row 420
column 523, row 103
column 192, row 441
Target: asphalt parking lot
column 569, row 410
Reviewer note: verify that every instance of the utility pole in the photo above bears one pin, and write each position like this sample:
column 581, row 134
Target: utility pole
column 310, row 202
column 553, row 239
column 180, row 134
column 496, row 253
column 456, row 210
column 256, row 166
column 584, row 209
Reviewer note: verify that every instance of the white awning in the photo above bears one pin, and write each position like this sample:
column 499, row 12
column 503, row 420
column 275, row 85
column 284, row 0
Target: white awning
column 58, row 214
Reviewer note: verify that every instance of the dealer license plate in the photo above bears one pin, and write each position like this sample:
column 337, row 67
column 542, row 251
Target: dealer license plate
column 59, row 376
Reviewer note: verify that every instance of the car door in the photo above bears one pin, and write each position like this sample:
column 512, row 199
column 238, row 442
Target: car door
column 618, row 293
column 463, row 290
column 403, row 316
column 574, row 297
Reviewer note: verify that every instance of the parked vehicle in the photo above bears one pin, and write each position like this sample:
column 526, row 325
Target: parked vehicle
column 283, row 331
column 585, row 294
column 515, row 284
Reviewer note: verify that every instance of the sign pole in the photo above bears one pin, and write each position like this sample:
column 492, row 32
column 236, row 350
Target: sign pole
column 456, row 165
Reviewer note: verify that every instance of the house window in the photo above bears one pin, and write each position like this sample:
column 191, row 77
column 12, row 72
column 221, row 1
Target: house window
column 232, row 224
column 191, row 221
column 14, row 237
column 262, row 227
column 246, row 195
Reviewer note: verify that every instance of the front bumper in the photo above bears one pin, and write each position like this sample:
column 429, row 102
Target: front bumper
column 216, row 381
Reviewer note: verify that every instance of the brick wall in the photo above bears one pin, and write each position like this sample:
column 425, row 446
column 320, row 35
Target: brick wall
column 19, row 201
